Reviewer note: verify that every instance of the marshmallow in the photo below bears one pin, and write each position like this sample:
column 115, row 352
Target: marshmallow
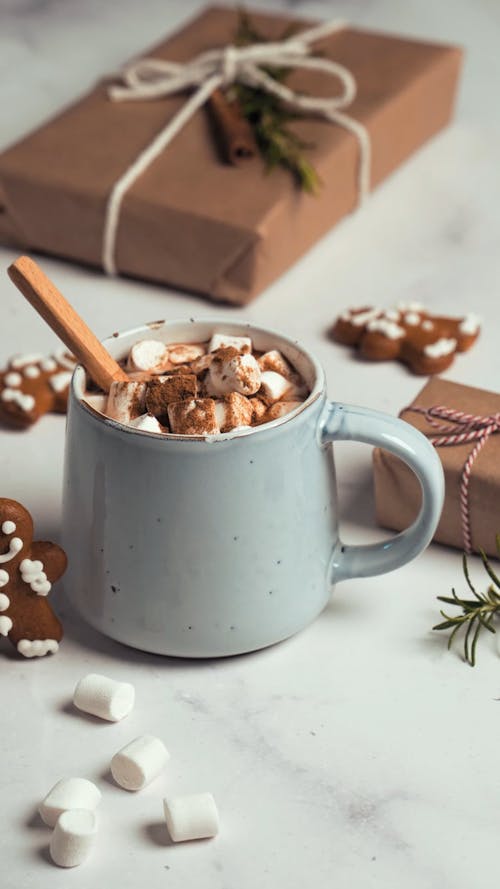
column 279, row 409
column 139, row 762
column 183, row 353
column 232, row 372
column 97, row 401
column 146, row 423
column 195, row 417
column 234, row 411
column 274, row 360
column 126, row 400
column 273, row 386
column 148, row 355
column 200, row 365
column 192, row 817
column 69, row 793
column 258, row 409
column 104, row 697
column 73, row 837
column 223, row 340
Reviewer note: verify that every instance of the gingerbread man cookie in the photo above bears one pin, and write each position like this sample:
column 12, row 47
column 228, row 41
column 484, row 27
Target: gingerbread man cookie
column 426, row 343
column 32, row 385
column 27, row 571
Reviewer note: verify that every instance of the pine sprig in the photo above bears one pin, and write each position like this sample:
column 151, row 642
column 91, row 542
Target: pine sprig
column 269, row 118
column 477, row 613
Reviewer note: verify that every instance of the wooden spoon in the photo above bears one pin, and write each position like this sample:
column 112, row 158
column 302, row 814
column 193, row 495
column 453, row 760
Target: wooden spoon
column 62, row 318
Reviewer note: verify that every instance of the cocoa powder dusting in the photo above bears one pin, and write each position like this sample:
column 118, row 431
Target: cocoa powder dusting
column 161, row 391
column 193, row 417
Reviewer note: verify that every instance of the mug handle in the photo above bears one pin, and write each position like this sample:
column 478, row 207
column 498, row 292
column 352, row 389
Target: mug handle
column 343, row 422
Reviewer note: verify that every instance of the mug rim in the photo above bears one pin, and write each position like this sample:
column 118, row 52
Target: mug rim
column 315, row 393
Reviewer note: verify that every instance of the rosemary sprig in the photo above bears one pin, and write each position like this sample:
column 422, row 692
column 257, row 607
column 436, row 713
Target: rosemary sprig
column 269, row 119
column 477, row 613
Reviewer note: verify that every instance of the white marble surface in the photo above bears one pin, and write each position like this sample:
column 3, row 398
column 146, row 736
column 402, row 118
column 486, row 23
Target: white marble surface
column 360, row 753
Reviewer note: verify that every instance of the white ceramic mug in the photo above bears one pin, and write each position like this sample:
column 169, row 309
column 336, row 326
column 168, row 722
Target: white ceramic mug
column 201, row 547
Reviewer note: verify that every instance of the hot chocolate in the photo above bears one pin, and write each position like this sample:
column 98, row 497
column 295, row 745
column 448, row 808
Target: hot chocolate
column 201, row 389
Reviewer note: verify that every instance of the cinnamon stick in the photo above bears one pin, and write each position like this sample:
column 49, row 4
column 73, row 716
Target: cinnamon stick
column 232, row 130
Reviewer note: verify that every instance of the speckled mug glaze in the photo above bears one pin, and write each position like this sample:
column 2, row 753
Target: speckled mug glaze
column 207, row 547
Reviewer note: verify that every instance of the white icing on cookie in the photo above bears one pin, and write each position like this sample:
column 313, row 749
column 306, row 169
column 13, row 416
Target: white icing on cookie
column 13, row 378
column 59, row 382
column 25, row 402
column 411, row 307
column 37, row 647
column 32, row 371
column 392, row 314
column 8, row 527
column 48, row 364
column 5, row 625
column 427, row 325
column 4, row 602
column 15, row 545
column 32, row 572
column 4, row 577
column 470, row 324
column 440, row 348
column 64, row 360
column 22, row 360
column 361, row 318
column 412, row 319
column 387, row 328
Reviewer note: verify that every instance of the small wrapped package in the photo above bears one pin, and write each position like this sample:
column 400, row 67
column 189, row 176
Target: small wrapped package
column 191, row 220
column 444, row 412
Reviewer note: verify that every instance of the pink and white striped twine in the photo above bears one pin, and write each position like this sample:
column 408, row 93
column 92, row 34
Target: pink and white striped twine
column 463, row 428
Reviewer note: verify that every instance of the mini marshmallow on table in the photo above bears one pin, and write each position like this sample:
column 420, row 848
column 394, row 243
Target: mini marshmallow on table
column 139, row 762
column 73, row 837
column 69, row 793
column 191, row 817
column 104, row 697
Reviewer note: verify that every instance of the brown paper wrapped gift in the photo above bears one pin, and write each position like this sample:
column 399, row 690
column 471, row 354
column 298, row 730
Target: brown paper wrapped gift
column 191, row 220
column 397, row 492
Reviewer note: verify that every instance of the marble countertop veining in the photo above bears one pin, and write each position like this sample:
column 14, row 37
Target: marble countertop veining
column 359, row 754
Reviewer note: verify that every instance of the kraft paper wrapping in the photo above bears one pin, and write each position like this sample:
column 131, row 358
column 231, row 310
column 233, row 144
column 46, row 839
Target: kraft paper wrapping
column 192, row 221
column 397, row 492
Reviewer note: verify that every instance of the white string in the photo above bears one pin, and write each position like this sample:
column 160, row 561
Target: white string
column 151, row 78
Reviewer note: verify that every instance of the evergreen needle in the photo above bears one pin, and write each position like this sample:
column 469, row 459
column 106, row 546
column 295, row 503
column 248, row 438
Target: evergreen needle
column 476, row 614
column 270, row 119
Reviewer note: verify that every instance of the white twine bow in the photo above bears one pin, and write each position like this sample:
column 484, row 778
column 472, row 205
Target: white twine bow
column 151, row 78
